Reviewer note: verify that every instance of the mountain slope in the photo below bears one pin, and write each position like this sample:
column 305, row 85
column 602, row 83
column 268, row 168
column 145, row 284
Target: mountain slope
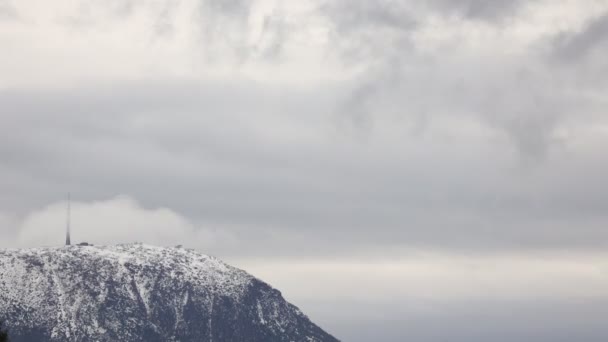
column 141, row 293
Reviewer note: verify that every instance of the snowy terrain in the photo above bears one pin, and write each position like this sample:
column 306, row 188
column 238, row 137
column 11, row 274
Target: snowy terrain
column 138, row 292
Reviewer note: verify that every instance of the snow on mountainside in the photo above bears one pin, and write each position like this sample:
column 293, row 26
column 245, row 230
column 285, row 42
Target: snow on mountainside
column 137, row 292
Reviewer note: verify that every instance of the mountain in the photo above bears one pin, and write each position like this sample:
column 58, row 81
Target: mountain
column 137, row 292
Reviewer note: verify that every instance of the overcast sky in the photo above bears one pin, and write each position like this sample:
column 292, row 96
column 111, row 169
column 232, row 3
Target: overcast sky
column 400, row 170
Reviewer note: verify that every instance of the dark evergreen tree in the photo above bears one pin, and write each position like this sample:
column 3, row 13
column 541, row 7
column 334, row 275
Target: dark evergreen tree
column 3, row 333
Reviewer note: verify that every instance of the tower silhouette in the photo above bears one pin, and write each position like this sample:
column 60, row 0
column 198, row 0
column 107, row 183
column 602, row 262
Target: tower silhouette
column 67, row 230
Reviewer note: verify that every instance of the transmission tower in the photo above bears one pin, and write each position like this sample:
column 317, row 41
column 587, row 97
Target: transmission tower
column 67, row 226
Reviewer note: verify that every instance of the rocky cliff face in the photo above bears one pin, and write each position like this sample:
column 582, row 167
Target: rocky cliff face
column 141, row 293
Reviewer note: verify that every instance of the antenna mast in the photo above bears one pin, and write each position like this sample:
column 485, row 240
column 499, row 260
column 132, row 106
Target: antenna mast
column 67, row 232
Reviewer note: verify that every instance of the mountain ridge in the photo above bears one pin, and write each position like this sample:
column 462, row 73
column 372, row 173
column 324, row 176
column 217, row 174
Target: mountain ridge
column 137, row 292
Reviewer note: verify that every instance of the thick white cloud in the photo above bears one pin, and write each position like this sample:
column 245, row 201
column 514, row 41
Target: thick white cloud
column 117, row 220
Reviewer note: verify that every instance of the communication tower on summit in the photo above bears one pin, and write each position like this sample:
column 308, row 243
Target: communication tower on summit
column 67, row 230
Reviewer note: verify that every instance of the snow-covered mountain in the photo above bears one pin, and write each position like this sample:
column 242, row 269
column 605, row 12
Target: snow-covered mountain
column 137, row 292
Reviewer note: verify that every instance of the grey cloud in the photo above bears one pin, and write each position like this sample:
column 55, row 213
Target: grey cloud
column 574, row 46
column 364, row 30
column 164, row 24
column 239, row 8
column 225, row 27
column 350, row 16
column 276, row 32
column 233, row 163
column 7, row 10
column 526, row 109
column 363, row 101
column 532, row 133
column 486, row 10
column 380, row 19
column 516, row 100
column 90, row 13
column 376, row 37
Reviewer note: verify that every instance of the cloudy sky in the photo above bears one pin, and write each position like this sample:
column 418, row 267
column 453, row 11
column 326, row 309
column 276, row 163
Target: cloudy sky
column 400, row 170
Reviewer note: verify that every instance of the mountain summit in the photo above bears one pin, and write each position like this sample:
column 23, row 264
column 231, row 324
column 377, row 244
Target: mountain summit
column 137, row 292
